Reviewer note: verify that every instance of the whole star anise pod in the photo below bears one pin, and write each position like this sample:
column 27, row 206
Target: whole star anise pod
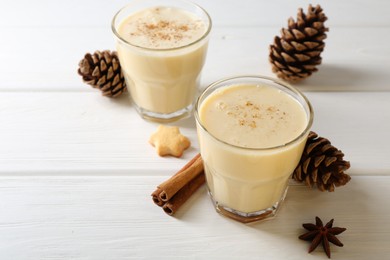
column 319, row 232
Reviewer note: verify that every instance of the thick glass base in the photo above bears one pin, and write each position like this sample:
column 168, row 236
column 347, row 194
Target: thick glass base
column 164, row 118
column 245, row 217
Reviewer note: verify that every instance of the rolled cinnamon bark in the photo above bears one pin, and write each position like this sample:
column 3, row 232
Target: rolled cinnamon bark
column 156, row 194
column 171, row 206
column 178, row 181
column 173, row 193
column 156, row 197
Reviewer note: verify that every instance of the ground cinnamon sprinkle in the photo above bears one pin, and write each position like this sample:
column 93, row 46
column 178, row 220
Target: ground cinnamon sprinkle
column 184, row 28
column 247, row 113
column 163, row 30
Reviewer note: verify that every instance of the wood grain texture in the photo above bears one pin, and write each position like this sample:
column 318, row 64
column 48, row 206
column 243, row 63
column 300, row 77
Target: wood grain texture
column 90, row 13
column 115, row 218
column 354, row 59
column 56, row 133
column 76, row 171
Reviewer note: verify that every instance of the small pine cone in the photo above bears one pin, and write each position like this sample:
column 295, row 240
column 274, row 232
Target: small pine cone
column 102, row 70
column 321, row 164
column 295, row 55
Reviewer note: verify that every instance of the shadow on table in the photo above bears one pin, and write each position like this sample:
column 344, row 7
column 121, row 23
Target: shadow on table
column 192, row 206
column 123, row 100
column 339, row 78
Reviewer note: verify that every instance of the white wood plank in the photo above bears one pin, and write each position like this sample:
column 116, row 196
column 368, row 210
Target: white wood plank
column 354, row 123
column 93, row 200
column 355, row 59
column 114, row 218
column 56, row 133
column 89, row 13
column 48, row 133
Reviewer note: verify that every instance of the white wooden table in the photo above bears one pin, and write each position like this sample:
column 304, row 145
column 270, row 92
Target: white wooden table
column 76, row 170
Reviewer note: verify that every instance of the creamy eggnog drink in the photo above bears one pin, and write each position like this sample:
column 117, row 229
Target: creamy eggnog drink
column 252, row 132
column 162, row 47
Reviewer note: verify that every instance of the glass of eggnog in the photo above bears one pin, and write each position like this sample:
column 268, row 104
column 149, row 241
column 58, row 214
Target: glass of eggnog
column 162, row 47
column 251, row 131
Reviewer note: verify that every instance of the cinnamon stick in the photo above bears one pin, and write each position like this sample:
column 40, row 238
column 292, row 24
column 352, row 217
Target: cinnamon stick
column 173, row 193
column 183, row 195
column 178, row 181
column 156, row 194
column 156, row 197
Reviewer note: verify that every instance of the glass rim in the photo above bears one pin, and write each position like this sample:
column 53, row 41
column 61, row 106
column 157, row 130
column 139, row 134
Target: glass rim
column 204, row 36
column 258, row 77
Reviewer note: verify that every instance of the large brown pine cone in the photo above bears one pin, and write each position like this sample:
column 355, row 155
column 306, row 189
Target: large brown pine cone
column 102, row 70
column 295, row 55
column 321, row 164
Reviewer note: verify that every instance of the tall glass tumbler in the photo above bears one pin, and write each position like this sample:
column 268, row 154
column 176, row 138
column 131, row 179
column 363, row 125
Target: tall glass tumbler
column 162, row 46
column 252, row 131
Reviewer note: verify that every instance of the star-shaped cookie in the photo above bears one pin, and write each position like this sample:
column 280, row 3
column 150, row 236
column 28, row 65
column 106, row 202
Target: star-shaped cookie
column 169, row 141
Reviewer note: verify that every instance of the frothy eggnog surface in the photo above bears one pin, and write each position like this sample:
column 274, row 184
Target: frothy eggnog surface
column 252, row 116
column 162, row 28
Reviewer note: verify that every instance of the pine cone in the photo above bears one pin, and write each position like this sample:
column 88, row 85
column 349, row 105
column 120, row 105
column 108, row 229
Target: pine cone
column 102, row 70
column 296, row 54
column 321, row 164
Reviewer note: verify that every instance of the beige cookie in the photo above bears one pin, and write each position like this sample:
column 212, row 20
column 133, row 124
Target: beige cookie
column 169, row 141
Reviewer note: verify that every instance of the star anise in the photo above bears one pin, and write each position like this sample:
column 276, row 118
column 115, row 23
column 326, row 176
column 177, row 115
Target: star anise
column 319, row 232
